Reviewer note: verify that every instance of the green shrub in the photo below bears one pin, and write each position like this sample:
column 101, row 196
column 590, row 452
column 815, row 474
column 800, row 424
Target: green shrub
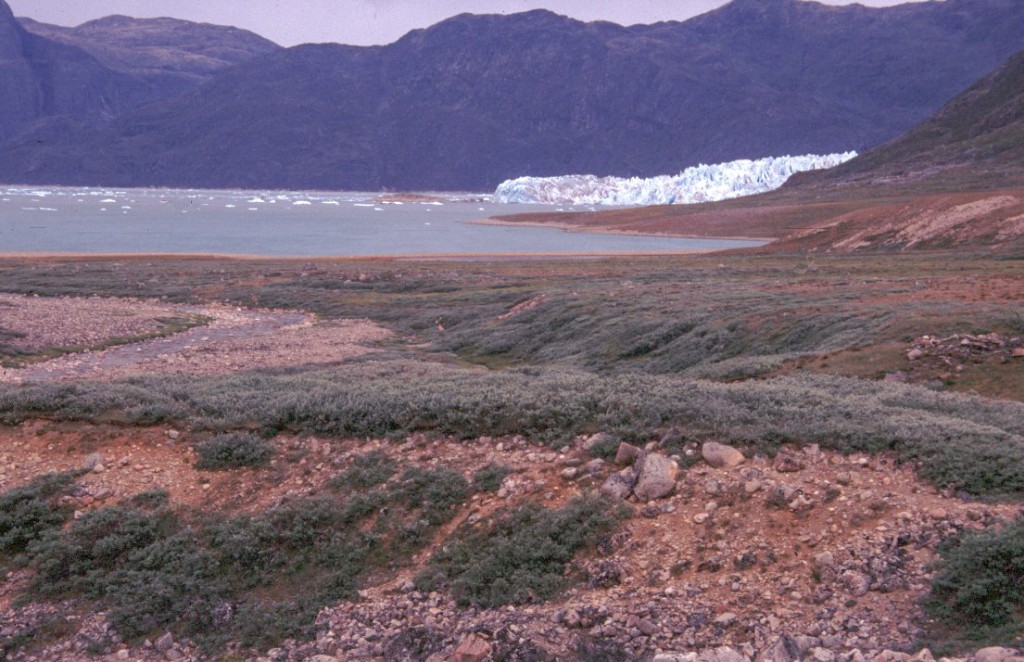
column 233, row 451
column 435, row 491
column 29, row 513
column 521, row 557
column 977, row 595
column 368, row 470
column 489, row 478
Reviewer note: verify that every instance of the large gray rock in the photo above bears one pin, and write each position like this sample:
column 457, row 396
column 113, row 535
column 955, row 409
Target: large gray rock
column 619, row 485
column 721, row 456
column 656, row 477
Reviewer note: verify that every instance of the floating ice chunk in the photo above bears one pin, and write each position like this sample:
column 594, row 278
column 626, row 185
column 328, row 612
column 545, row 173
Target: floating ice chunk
column 329, row 202
column 703, row 183
column 229, row 206
column 108, row 200
column 361, row 204
column 257, row 200
column 302, row 202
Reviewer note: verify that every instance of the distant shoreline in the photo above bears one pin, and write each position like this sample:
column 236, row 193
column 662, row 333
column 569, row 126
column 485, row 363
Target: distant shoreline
column 582, row 228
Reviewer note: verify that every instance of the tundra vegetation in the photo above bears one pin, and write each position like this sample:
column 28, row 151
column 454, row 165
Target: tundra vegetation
column 754, row 351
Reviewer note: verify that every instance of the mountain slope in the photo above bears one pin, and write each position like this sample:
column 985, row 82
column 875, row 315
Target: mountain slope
column 476, row 100
column 40, row 79
column 974, row 141
column 191, row 52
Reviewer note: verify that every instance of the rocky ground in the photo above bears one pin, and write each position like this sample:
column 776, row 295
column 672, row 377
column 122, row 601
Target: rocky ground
column 809, row 555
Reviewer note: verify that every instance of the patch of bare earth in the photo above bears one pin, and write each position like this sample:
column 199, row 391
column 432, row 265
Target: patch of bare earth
column 230, row 339
column 832, row 551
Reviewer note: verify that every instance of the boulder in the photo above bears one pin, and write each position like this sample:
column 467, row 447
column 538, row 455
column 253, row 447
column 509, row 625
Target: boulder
column 656, row 477
column 619, row 485
column 721, row 456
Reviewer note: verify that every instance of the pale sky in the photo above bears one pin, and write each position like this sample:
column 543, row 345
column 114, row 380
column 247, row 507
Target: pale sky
column 360, row 22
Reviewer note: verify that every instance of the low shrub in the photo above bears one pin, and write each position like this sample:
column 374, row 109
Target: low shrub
column 368, row 470
column 29, row 513
column 521, row 557
column 977, row 595
column 490, row 477
column 435, row 491
column 233, row 451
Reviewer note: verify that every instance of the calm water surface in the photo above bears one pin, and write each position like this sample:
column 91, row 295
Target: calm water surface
column 63, row 220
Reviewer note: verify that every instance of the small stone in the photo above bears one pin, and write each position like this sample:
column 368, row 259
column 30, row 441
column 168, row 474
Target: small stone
column 700, row 518
column 569, row 473
column 915, row 354
column 819, row 654
column 99, row 468
column 173, row 435
column 92, row 461
column 726, row 619
column 627, row 454
column 675, row 657
column 165, row 642
column 721, row 456
column 472, row 649
column 122, row 654
column 647, row 627
column 787, row 463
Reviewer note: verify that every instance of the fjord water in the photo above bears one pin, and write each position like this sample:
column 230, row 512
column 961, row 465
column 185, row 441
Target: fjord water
column 66, row 220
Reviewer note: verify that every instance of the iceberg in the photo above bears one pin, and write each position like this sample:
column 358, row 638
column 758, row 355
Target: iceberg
column 702, row 183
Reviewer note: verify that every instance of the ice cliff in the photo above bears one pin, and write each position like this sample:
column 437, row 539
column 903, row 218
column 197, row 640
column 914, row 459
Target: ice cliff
column 703, row 183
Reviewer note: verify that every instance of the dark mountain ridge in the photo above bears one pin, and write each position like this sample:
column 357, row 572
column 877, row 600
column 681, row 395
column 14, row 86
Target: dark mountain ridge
column 478, row 99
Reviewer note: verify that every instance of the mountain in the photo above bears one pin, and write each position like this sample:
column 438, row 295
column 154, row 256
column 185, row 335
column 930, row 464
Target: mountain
column 172, row 48
column 40, row 78
column 476, row 100
column 974, row 141
column 63, row 83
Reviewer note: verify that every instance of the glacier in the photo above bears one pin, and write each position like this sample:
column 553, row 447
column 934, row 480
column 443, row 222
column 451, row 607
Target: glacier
column 702, row 183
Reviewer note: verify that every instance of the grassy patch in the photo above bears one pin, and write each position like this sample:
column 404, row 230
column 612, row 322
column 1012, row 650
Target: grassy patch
column 490, row 477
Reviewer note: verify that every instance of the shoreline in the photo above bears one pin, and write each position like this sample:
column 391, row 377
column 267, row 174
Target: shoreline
column 383, row 256
column 587, row 229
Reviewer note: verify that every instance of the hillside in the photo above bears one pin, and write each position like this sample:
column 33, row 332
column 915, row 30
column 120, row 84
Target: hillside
column 976, row 141
column 60, row 84
column 190, row 52
column 476, row 100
